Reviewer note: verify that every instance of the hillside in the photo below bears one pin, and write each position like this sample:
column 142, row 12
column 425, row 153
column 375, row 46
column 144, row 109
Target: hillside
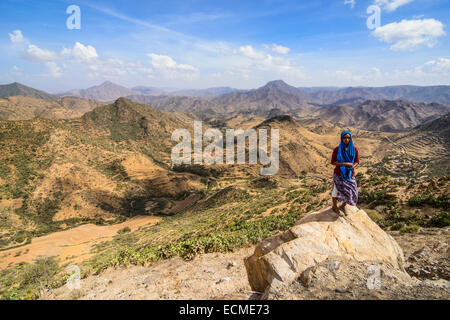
column 107, row 166
column 25, row 108
column 357, row 95
column 383, row 115
column 198, row 107
column 17, row 89
column 107, row 91
column 204, row 93
column 148, row 91
column 126, row 121
column 430, row 143
column 274, row 95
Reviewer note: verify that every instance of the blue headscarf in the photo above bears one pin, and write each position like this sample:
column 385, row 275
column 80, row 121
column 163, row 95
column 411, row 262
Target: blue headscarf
column 346, row 156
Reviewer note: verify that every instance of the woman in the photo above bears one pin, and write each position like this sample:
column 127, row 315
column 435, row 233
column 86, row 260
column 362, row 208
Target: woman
column 345, row 158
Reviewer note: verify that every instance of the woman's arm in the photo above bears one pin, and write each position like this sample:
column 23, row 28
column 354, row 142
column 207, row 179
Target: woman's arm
column 342, row 164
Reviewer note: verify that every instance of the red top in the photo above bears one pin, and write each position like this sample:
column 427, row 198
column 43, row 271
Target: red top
column 337, row 169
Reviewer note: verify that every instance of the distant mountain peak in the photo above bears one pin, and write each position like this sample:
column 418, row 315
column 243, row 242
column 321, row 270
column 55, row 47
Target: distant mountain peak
column 18, row 89
column 277, row 84
column 109, row 83
column 107, row 91
column 280, row 85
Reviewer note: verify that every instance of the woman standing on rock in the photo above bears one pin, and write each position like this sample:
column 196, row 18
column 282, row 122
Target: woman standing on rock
column 345, row 158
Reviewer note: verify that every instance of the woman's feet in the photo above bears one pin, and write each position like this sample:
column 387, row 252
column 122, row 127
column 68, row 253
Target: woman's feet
column 336, row 209
column 342, row 210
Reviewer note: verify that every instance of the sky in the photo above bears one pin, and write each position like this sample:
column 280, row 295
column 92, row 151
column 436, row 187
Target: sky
column 241, row 44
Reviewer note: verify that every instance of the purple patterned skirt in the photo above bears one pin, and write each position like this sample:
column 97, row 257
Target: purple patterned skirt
column 346, row 191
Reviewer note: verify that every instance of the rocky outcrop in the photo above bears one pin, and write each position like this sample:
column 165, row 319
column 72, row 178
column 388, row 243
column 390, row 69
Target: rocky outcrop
column 320, row 236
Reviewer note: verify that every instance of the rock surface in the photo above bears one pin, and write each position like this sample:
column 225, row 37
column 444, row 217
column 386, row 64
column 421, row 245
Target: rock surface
column 317, row 237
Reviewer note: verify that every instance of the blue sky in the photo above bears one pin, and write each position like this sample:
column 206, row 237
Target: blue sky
column 242, row 44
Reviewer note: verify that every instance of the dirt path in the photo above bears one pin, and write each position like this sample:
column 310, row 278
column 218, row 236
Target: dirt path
column 209, row 276
column 72, row 245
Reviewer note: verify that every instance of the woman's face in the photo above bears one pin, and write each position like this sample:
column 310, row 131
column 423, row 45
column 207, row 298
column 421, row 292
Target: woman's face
column 346, row 139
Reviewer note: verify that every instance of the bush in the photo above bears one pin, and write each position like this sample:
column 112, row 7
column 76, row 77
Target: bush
column 397, row 226
column 378, row 197
column 25, row 281
column 442, row 201
column 440, row 220
column 412, row 228
column 124, row 230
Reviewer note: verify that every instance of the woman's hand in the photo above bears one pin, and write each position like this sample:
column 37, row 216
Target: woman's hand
column 348, row 164
column 343, row 164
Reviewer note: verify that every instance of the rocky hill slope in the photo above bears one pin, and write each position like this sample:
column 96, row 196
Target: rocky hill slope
column 25, row 108
column 106, row 91
column 17, row 89
column 322, row 257
column 383, row 115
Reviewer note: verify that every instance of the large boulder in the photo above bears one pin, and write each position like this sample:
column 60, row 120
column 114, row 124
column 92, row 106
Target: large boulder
column 320, row 236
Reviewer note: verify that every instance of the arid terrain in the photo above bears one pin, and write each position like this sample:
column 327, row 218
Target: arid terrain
column 92, row 184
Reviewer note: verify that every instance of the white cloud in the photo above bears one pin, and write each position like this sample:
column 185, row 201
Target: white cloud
column 16, row 37
column 81, row 52
column 429, row 73
column 266, row 62
column 231, row 76
column 409, row 34
column 53, row 69
column 34, row 53
column 344, row 77
column 278, row 49
column 249, row 52
column 441, row 65
column 88, row 57
column 392, row 5
column 168, row 67
column 16, row 71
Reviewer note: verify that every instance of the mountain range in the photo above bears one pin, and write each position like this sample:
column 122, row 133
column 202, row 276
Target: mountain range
column 356, row 107
column 109, row 91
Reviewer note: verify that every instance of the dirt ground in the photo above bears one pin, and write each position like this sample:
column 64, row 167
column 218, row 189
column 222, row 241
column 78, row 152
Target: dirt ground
column 71, row 245
column 209, row 276
column 223, row 276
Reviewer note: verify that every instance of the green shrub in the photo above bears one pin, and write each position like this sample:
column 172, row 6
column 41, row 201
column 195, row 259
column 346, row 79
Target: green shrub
column 24, row 281
column 124, row 230
column 412, row 228
column 442, row 201
column 397, row 226
column 440, row 220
